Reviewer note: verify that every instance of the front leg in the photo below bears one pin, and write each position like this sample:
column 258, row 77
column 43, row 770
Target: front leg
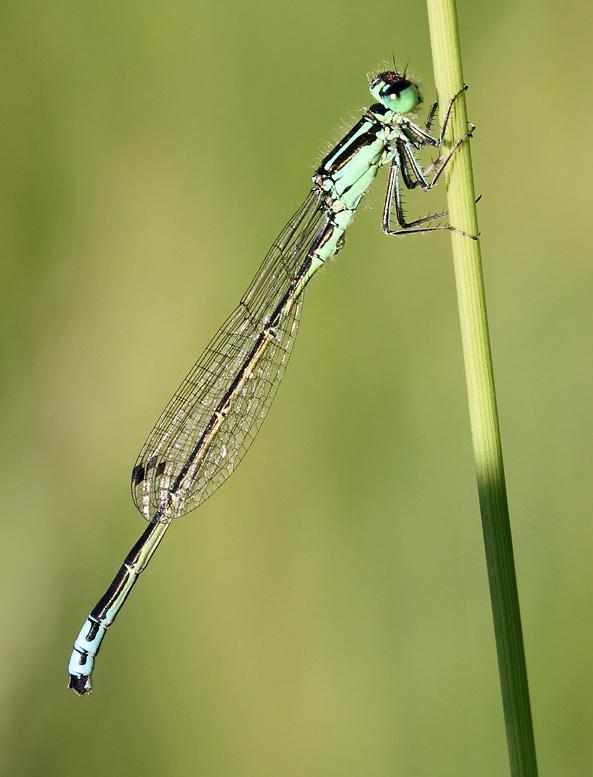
column 423, row 135
column 407, row 158
column 430, row 117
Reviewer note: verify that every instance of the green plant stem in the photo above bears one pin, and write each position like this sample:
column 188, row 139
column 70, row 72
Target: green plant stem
column 482, row 402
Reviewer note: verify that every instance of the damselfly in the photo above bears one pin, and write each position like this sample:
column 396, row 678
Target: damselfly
column 215, row 414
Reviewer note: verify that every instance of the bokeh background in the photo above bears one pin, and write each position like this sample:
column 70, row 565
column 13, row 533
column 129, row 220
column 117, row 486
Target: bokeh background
column 327, row 612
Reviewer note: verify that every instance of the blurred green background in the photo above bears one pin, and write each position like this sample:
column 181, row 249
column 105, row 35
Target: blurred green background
column 327, row 612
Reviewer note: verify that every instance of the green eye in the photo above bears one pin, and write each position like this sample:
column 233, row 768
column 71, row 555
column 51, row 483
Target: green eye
column 403, row 102
column 395, row 92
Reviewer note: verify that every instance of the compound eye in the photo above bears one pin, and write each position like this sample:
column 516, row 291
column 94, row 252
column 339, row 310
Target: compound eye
column 401, row 97
column 395, row 92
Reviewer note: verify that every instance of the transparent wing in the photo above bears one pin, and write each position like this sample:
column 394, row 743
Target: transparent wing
column 193, row 448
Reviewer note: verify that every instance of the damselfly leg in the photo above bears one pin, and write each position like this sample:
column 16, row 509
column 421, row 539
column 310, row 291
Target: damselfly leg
column 404, row 163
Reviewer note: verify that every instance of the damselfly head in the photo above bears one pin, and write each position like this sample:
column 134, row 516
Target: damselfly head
column 396, row 92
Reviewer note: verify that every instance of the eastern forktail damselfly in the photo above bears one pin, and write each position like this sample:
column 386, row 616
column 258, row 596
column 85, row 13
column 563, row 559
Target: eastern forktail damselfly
column 215, row 414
